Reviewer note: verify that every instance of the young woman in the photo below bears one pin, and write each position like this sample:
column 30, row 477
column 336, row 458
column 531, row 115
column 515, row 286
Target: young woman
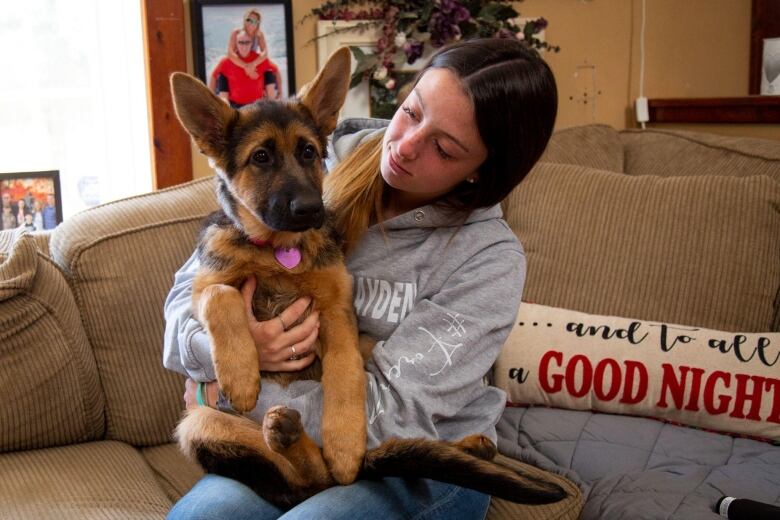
column 438, row 277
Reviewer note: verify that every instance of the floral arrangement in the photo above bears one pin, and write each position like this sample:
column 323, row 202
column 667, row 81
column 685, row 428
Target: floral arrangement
column 408, row 26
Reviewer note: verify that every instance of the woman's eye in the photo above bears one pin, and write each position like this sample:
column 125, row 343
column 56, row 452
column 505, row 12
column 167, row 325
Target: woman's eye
column 309, row 152
column 409, row 112
column 261, row 157
column 442, row 153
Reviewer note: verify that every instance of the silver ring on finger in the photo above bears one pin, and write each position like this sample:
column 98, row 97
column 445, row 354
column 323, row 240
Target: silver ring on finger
column 295, row 356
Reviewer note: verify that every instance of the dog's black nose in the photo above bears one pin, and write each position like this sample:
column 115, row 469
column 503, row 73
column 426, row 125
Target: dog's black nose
column 307, row 209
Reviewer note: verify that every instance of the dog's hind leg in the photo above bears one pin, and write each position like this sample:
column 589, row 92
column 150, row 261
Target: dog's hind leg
column 284, row 434
column 235, row 447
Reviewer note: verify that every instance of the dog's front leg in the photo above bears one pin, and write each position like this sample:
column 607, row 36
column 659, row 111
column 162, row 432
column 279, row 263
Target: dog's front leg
column 221, row 310
column 343, row 386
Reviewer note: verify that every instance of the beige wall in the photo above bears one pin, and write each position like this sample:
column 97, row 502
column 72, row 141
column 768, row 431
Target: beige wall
column 693, row 48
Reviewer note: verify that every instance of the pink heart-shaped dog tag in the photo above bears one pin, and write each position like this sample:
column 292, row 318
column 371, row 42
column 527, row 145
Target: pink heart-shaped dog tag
column 289, row 257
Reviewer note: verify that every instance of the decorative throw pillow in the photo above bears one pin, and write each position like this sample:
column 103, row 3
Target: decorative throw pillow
column 723, row 381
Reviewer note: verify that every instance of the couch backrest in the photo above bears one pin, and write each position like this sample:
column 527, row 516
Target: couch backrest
column 689, row 234
column 671, row 153
column 594, row 146
column 120, row 259
column 50, row 392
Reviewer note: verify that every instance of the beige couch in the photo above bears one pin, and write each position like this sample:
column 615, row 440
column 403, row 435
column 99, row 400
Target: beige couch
column 86, row 409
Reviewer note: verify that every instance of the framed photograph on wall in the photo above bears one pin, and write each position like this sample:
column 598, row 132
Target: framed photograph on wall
column 764, row 60
column 32, row 200
column 770, row 67
column 244, row 50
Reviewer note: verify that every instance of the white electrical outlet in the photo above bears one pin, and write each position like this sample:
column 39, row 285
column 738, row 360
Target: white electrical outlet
column 642, row 111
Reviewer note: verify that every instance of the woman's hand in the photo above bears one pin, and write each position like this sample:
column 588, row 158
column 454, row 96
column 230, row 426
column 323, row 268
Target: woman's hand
column 282, row 350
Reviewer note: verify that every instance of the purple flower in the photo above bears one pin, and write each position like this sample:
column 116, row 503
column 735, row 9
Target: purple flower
column 413, row 50
column 540, row 25
column 444, row 21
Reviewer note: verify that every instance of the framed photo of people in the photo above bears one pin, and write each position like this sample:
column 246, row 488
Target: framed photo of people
column 31, row 200
column 244, row 50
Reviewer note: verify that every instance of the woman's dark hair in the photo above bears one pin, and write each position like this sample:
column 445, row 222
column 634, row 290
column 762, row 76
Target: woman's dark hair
column 515, row 104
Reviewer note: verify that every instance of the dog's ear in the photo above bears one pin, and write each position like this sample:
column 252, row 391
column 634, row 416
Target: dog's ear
column 205, row 116
column 325, row 95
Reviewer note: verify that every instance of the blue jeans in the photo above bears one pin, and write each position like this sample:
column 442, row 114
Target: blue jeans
column 215, row 497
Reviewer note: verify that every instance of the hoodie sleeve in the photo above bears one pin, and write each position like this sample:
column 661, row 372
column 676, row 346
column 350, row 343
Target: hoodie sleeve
column 186, row 347
column 426, row 379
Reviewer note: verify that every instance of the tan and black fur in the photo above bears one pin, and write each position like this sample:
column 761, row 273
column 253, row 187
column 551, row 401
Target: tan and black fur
column 268, row 161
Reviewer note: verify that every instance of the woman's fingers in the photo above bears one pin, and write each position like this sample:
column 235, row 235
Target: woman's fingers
column 278, row 339
column 306, row 347
column 299, row 332
column 190, row 393
column 293, row 313
column 289, row 365
column 296, row 342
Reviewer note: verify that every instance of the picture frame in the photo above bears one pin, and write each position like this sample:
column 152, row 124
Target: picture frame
column 764, row 25
column 770, row 68
column 213, row 23
column 35, row 200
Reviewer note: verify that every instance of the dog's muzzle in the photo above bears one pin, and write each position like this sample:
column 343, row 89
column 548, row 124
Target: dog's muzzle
column 297, row 213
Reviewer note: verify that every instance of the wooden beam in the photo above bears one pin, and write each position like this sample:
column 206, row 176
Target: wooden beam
column 747, row 110
column 165, row 52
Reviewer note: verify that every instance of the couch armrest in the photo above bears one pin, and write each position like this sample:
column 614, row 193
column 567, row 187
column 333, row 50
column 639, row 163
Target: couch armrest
column 120, row 259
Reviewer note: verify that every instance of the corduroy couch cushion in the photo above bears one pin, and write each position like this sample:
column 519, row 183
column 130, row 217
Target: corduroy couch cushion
column 98, row 480
column 567, row 509
column 701, row 251
column 120, row 259
column 670, row 153
column 595, row 146
column 175, row 472
column 48, row 379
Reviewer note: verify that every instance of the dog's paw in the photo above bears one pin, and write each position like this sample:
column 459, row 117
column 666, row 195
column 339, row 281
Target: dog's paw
column 478, row 446
column 344, row 455
column 241, row 389
column 281, row 428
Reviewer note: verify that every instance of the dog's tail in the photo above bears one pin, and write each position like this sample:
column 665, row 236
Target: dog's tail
column 447, row 463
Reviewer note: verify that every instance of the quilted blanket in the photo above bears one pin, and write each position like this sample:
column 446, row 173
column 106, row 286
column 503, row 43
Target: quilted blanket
column 638, row 468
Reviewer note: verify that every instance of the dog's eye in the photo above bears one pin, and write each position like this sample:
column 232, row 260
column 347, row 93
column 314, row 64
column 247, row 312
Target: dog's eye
column 261, row 157
column 309, row 152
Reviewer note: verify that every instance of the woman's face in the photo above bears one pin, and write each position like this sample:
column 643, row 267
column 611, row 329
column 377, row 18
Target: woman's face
column 251, row 23
column 432, row 143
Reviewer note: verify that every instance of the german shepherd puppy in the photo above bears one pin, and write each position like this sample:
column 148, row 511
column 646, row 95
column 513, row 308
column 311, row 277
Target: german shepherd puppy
column 273, row 225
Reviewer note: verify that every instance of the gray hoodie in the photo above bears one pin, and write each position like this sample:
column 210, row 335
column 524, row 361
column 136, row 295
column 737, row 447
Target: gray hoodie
column 440, row 296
